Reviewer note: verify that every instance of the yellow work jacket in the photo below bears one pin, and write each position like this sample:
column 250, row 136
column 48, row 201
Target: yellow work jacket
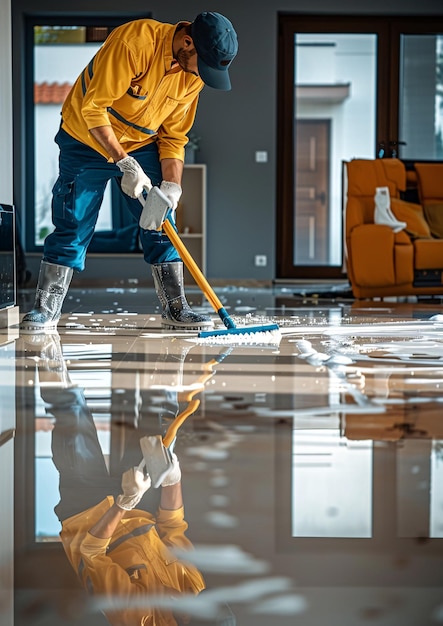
column 136, row 561
column 129, row 84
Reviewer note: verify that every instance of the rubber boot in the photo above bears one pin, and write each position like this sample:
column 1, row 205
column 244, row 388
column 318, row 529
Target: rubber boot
column 169, row 285
column 52, row 287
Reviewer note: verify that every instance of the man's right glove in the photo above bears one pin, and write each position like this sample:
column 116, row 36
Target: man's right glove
column 134, row 484
column 174, row 475
column 134, row 180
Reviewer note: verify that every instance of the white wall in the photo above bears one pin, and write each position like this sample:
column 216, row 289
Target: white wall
column 5, row 102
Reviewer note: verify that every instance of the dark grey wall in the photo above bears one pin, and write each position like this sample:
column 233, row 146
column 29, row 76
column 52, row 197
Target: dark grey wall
column 233, row 125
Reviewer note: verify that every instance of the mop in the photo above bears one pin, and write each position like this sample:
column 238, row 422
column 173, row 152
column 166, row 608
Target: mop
column 157, row 454
column 156, row 215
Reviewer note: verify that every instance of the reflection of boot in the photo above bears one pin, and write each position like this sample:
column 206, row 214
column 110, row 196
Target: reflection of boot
column 169, row 285
column 47, row 351
column 52, row 286
column 168, row 369
column 158, row 403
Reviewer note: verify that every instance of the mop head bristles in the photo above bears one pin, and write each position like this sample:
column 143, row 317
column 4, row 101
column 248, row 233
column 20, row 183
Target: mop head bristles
column 248, row 335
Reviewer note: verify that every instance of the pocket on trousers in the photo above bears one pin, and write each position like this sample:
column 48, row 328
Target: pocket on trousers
column 63, row 199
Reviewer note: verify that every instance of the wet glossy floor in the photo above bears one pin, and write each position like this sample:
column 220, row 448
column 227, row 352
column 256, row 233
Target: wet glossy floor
column 312, row 465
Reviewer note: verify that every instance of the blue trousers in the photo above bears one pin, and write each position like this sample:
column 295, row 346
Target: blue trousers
column 78, row 194
column 76, row 452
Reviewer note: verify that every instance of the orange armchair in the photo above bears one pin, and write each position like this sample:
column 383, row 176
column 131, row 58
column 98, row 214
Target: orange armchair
column 379, row 261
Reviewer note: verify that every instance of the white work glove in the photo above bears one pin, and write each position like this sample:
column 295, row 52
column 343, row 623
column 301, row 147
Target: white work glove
column 134, row 180
column 134, row 484
column 172, row 191
column 174, row 475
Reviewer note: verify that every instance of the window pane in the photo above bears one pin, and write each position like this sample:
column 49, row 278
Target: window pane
column 335, row 118
column 60, row 54
column 421, row 102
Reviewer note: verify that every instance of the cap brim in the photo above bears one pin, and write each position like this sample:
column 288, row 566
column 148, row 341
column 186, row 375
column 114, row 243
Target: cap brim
column 217, row 79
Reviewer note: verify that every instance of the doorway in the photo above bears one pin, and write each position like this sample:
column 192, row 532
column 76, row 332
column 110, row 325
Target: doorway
column 348, row 87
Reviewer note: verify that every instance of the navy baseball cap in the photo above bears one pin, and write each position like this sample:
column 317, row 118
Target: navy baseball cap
column 216, row 43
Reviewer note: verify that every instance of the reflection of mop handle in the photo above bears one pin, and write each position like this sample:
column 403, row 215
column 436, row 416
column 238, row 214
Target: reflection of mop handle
column 193, row 404
column 173, row 428
column 157, row 453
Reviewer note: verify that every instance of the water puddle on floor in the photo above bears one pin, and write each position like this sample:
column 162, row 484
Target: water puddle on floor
column 311, row 470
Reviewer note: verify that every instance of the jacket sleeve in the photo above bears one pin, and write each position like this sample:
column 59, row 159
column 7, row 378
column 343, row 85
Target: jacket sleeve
column 171, row 527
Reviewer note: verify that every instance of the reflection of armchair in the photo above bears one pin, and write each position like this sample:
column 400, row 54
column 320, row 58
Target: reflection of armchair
column 381, row 262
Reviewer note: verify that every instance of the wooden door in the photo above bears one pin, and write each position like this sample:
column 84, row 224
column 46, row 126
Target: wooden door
column 311, row 192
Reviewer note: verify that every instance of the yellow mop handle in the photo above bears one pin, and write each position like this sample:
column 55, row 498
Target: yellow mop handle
column 192, row 266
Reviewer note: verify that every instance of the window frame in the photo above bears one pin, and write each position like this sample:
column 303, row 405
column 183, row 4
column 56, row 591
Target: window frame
column 30, row 21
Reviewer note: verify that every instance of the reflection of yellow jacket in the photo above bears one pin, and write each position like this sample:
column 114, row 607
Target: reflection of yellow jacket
column 130, row 85
column 135, row 561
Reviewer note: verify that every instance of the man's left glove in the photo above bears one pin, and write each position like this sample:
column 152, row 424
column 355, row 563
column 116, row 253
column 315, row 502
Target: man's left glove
column 134, row 180
column 134, row 484
column 174, row 475
column 172, row 191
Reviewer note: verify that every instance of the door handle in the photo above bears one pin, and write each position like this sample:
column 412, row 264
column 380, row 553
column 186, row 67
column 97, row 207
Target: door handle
column 393, row 147
column 321, row 196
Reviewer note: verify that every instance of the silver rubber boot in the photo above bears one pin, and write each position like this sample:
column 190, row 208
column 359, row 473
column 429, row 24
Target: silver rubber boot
column 169, row 285
column 52, row 287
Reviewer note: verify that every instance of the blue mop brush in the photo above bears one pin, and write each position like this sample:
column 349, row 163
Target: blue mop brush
column 267, row 332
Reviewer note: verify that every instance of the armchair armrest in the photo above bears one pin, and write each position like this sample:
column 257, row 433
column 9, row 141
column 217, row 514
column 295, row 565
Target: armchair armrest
column 378, row 257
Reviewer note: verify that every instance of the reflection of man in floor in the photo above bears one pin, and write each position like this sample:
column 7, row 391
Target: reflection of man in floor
column 119, row 549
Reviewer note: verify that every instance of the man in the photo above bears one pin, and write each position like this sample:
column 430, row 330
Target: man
column 118, row 534
column 127, row 117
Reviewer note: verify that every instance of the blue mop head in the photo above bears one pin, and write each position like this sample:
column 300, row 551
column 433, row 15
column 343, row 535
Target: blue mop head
column 267, row 333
